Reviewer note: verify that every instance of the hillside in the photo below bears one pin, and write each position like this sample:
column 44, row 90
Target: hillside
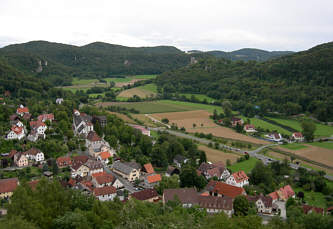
column 297, row 83
column 23, row 86
column 97, row 59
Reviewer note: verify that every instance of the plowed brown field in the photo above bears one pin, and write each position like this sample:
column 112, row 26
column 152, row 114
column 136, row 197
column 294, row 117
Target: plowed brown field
column 187, row 118
column 214, row 155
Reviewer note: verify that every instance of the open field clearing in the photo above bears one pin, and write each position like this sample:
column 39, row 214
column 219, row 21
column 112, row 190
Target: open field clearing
column 143, row 77
column 200, row 97
column 313, row 198
column 136, row 91
column 149, row 87
column 327, row 145
column 294, row 146
column 214, row 155
column 314, row 153
column 194, row 106
column 148, row 107
column 123, row 117
column 246, row 165
column 321, row 130
column 267, row 126
column 198, row 117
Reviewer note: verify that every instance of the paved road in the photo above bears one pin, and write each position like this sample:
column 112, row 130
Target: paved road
column 254, row 153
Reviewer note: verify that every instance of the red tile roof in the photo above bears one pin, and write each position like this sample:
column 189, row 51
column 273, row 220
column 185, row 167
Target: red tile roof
column 98, row 174
column 224, row 189
column 22, row 110
column 105, row 155
column 32, row 151
column 283, row 193
column 87, row 184
column 17, row 130
column 298, row 134
column 154, row 178
column 249, row 127
column 308, row 209
column 149, row 168
column 64, row 161
column 36, row 124
column 93, row 137
column 240, row 176
column 45, row 117
column 104, row 179
column 106, row 190
column 80, row 159
column 8, row 185
column 145, row 194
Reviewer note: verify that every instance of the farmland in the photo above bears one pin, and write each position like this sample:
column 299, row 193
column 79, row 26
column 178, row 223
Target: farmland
column 214, row 155
column 200, row 97
column 294, row 146
column 136, row 91
column 204, row 124
column 327, row 145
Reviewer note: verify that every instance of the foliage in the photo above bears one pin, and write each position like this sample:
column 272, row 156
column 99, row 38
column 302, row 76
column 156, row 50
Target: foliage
column 241, row 206
column 308, row 129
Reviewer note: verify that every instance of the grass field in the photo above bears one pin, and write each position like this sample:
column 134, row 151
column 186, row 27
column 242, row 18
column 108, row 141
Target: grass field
column 266, row 125
column 194, row 106
column 313, row 198
column 143, row 77
column 149, row 87
column 246, row 165
column 327, row 145
column 294, row 146
column 321, row 130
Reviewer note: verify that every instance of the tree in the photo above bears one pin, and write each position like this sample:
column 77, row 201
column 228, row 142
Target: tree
column 167, row 182
column 308, row 129
column 227, row 108
column 189, row 178
column 241, row 206
column 165, row 120
column 194, row 125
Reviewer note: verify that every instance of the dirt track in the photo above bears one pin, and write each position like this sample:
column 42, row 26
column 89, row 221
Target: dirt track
column 187, row 118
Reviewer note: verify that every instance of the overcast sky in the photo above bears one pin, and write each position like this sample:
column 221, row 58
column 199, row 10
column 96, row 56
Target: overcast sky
column 187, row 24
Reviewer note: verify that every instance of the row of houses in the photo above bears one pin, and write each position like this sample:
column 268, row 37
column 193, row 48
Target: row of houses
column 22, row 159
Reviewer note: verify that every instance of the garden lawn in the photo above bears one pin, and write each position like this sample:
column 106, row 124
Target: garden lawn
column 246, row 165
column 313, row 198
column 327, row 145
column 293, row 146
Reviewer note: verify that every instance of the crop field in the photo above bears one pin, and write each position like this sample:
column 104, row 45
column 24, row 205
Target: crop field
column 314, row 153
column 195, row 106
column 327, row 145
column 246, row 165
column 214, row 155
column 203, row 124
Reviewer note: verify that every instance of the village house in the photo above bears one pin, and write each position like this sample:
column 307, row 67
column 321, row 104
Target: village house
column 179, row 160
column 214, row 204
column 63, row 162
column 27, row 116
column 21, row 160
column 149, row 195
column 102, row 179
column 218, row 188
column 134, row 165
column 276, row 137
column 236, row 121
column 263, row 203
column 94, row 166
column 18, row 123
column 171, row 171
column 143, row 130
column 249, row 128
column 82, row 123
column 7, row 187
column 217, row 170
column 105, row 193
column 126, row 171
column 38, row 129
column 45, row 117
column 307, row 209
column 238, row 179
column 186, row 196
column 152, row 180
column 96, row 149
column 93, row 139
column 283, row 194
column 79, row 170
column 21, row 110
column 104, row 157
column 16, row 133
column 298, row 137
column 101, row 119
column 34, row 154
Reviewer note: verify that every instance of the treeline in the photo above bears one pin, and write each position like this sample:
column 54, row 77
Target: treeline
column 293, row 84
column 60, row 62
column 49, row 206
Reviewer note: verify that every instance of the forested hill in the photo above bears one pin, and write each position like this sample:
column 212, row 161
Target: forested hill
column 246, row 54
column 297, row 83
column 23, row 86
column 94, row 60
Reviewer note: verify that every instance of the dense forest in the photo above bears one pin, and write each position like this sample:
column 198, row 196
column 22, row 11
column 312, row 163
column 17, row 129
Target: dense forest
column 60, row 62
column 293, row 84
